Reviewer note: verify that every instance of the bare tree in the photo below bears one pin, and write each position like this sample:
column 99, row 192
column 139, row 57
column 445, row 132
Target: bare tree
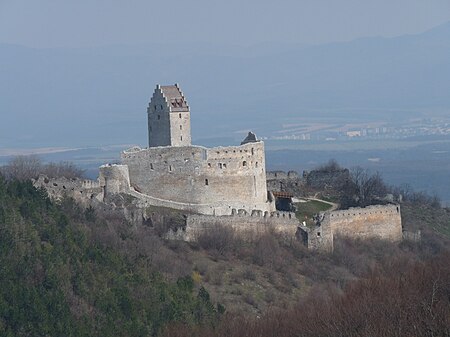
column 23, row 168
column 363, row 189
column 29, row 167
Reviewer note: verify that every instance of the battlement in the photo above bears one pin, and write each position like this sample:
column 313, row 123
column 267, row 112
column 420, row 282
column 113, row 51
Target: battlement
column 248, row 226
column 233, row 175
column 378, row 221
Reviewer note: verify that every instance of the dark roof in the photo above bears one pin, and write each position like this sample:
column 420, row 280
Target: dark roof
column 285, row 195
column 174, row 97
column 251, row 138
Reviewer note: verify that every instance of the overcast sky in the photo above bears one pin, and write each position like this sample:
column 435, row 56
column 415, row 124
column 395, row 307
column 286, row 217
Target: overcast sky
column 76, row 23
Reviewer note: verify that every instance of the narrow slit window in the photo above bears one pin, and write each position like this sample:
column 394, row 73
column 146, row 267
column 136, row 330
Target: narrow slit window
column 206, row 182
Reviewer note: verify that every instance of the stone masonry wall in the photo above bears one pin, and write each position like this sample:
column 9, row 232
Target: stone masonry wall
column 281, row 181
column 233, row 176
column 82, row 190
column 379, row 221
column 248, row 226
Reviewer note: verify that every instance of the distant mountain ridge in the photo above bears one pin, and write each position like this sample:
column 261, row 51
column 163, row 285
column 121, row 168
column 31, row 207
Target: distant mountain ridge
column 98, row 96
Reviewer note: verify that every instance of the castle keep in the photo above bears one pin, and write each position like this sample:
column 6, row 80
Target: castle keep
column 180, row 175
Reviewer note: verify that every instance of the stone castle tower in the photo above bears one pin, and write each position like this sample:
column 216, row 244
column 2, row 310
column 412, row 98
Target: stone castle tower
column 169, row 120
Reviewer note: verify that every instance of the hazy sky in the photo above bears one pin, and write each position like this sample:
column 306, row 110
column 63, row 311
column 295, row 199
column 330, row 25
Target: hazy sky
column 75, row 23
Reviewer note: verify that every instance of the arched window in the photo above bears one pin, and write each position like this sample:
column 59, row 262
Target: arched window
column 244, row 163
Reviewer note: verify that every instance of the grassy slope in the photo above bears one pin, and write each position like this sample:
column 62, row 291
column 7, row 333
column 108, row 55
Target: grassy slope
column 306, row 210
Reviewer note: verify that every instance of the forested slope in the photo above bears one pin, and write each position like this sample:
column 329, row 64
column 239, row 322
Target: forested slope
column 57, row 279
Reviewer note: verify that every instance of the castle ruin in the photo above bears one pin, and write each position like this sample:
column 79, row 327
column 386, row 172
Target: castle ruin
column 220, row 186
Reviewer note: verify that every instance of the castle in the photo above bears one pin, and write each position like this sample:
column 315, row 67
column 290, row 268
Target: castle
column 180, row 175
column 223, row 186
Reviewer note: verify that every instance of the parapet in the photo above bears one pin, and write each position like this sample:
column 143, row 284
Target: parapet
column 377, row 221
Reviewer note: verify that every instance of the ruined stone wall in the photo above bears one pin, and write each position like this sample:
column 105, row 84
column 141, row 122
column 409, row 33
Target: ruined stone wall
column 248, row 226
column 114, row 179
column 322, row 179
column 81, row 190
column 379, row 221
column 317, row 238
column 281, row 181
column 231, row 176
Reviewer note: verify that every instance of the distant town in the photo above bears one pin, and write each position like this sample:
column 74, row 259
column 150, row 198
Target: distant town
column 373, row 130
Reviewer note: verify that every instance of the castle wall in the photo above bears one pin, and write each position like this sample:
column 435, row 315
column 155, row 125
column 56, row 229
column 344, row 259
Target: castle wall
column 247, row 226
column 81, row 190
column 229, row 176
column 381, row 221
column 281, row 181
column 114, row 179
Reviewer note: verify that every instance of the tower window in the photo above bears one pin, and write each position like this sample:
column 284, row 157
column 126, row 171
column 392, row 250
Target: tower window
column 159, row 117
column 244, row 163
column 206, row 182
column 181, row 138
column 220, row 165
column 179, row 115
column 161, row 107
column 151, row 166
column 181, row 127
column 170, row 168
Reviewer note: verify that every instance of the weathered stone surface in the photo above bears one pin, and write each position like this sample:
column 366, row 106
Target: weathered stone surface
column 247, row 226
column 379, row 221
column 169, row 120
